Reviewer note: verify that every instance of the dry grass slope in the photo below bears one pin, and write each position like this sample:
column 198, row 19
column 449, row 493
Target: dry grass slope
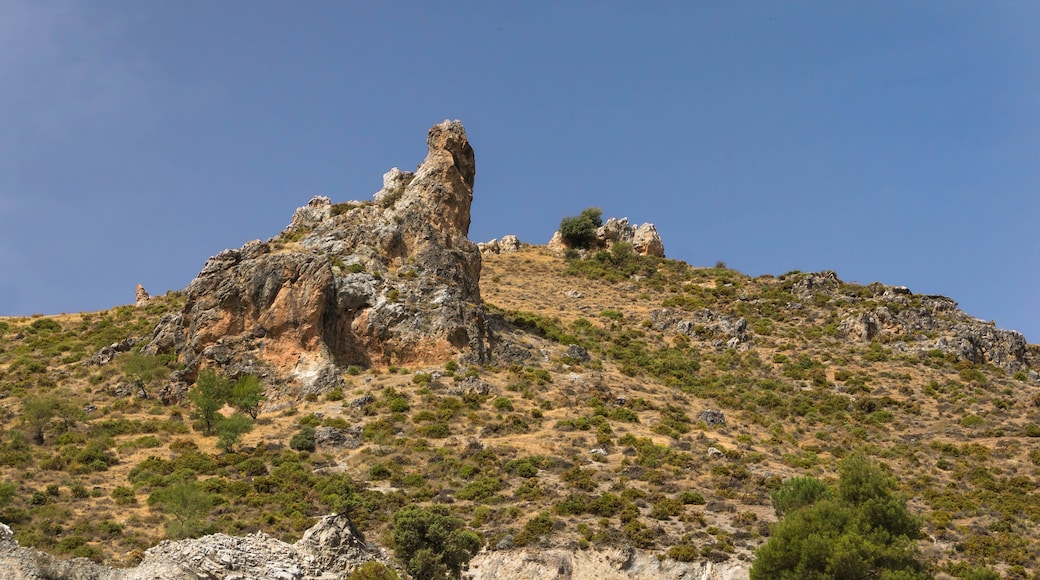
column 556, row 449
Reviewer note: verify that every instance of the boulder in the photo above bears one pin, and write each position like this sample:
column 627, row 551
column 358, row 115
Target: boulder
column 509, row 244
column 647, row 242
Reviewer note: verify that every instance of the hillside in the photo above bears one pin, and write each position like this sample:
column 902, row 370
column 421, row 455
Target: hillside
column 596, row 400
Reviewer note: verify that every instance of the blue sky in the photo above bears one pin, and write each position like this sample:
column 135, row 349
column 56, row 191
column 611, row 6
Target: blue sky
column 889, row 141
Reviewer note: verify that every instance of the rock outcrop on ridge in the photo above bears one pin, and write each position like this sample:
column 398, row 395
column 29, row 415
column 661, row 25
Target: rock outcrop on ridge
column 390, row 281
column 644, row 238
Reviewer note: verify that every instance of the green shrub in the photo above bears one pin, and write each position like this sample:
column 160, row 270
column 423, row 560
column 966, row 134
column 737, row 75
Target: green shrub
column 482, row 488
column 691, row 498
column 580, row 231
column 502, row 404
column 535, row 529
column 684, row 553
column 303, row 440
column 124, row 496
column 373, row 570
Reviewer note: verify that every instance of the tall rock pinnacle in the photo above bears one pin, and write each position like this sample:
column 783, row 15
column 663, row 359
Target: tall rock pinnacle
column 389, row 281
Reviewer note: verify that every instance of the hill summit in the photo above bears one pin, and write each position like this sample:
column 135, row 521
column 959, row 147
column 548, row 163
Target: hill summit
column 592, row 410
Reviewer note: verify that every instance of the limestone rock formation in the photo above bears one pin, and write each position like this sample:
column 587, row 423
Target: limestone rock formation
column 507, row 245
column 644, row 238
column 392, row 281
column 603, row 564
column 914, row 324
column 331, row 548
column 141, row 296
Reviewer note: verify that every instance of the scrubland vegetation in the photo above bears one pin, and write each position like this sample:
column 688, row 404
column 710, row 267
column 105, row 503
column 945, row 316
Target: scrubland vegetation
column 594, row 438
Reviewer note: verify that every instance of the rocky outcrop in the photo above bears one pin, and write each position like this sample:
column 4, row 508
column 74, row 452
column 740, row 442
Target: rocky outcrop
column 913, row 324
column 331, row 548
column 611, row 564
column 391, row 281
column 721, row 330
column 644, row 238
column 107, row 353
column 507, row 245
column 141, row 296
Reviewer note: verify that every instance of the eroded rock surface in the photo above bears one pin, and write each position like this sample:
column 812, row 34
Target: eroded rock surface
column 391, row 281
column 332, row 548
column 614, row 564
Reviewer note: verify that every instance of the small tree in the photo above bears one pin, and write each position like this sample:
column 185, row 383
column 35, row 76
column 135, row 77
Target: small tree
column 247, row 394
column 210, row 393
column 37, row 413
column 580, row 231
column 144, row 369
column 189, row 505
column 230, row 430
column 431, row 543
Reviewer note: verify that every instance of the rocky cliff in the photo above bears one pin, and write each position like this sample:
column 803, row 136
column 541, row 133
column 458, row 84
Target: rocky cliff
column 394, row 280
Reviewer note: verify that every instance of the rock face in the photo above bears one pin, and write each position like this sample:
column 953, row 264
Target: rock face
column 331, row 548
column 392, row 281
column 645, row 239
column 623, row 563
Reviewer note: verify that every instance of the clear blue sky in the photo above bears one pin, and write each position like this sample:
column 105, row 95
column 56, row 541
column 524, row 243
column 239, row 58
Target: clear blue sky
column 889, row 141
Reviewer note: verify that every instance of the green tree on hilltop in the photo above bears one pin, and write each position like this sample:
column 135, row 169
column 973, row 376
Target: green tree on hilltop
column 580, row 231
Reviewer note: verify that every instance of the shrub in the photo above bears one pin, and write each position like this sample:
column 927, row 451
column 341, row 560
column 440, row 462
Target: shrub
column 503, row 404
column 373, row 570
column 124, row 496
column 188, row 504
column 208, row 395
column 230, row 430
column 482, row 488
column 303, row 440
column 536, row 528
column 580, row 231
column 684, row 553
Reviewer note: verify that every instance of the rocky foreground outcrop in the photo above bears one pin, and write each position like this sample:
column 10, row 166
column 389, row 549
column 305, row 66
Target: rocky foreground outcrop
column 332, row 548
column 390, row 281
